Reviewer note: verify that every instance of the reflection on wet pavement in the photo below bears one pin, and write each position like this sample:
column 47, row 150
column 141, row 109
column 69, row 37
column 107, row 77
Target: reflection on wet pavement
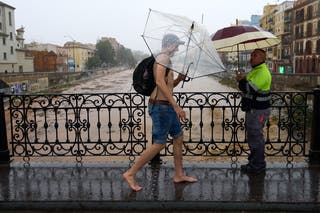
column 218, row 184
column 104, row 182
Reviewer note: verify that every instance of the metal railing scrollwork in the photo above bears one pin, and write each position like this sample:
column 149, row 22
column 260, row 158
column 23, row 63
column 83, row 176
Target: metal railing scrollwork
column 118, row 124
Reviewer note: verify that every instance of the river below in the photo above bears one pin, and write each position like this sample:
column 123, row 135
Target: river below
column 120, row 81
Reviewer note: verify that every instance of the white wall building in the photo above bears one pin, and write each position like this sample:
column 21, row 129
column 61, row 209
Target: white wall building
column 13, row 56
column 8, row 44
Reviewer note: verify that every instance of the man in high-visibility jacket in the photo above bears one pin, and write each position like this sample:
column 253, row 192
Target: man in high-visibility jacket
column 256, row 103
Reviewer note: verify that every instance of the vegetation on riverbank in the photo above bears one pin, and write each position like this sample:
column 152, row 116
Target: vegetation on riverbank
column 58, row 88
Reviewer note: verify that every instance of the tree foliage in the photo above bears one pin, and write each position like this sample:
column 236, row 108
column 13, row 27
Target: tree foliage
column 125, row 57
column 94, row 62
column 105, row 52
column 106, row 56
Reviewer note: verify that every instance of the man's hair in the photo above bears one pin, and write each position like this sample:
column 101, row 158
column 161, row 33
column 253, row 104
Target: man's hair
column 261, row 52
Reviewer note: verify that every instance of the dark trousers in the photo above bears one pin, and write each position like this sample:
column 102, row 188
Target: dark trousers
column 255, row 121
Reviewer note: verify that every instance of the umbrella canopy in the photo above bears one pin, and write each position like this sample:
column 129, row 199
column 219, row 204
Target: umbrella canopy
column 242, row 38
column 195, row 56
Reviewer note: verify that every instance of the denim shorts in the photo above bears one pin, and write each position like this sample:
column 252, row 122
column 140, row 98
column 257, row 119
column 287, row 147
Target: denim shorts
column 164, row 121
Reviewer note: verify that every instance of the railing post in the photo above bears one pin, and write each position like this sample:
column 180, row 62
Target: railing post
column 4, row 152
column 314, row 154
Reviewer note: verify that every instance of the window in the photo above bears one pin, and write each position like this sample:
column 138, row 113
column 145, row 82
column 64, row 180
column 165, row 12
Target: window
column 301, row 48
column 4, row 56
column 313, row 65
column 0, row 25
column 10, row 19
column 309, row 47
column 318, row 46
column 309, row 12
column 11, row 50
column 11, row 36
column 4, row 41
column 309, row 29
column 297, row 32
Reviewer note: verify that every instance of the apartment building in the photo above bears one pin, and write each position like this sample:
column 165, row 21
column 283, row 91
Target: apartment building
column 267, row 23
column 61, row 54
column 8, row 54
column 282, row 29
column 79, row 54
column 13, row 57
column 297, row 24
column 306, row 36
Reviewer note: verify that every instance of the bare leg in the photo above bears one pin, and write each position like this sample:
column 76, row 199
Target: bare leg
column 146, row 156
column 178, row 170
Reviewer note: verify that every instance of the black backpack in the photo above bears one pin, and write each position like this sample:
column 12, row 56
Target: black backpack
column 143, row 80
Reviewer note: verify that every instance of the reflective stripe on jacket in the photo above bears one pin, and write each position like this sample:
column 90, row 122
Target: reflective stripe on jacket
column 256, row 87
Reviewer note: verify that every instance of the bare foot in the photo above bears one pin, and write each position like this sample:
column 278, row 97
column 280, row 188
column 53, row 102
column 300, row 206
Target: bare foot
column 183, row 179
column 132, row 182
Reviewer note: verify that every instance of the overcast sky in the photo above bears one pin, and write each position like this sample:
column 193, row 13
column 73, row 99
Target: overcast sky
column 55, row 21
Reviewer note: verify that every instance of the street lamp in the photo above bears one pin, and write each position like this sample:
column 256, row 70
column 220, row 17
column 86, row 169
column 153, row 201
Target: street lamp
column 73, row 52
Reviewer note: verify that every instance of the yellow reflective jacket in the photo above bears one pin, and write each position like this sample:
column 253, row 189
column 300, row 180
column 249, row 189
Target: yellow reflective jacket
column 256, row 88
column 260, row 77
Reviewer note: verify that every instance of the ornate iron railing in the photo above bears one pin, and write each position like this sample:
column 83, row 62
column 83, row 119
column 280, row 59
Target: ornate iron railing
column 117, row 124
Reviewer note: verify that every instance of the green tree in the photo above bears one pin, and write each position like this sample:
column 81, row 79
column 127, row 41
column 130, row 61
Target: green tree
column 105, row 52
column 93, row 62
column 125, row 57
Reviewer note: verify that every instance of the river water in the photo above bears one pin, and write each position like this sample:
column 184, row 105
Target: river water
column 120, row 81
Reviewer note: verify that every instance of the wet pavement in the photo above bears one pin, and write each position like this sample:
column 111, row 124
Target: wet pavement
column 88, row 187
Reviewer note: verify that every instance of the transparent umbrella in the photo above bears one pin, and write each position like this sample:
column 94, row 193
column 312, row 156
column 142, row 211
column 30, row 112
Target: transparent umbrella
column 195, row 57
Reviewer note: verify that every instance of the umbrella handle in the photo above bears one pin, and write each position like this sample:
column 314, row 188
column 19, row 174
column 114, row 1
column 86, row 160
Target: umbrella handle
column 186, row 79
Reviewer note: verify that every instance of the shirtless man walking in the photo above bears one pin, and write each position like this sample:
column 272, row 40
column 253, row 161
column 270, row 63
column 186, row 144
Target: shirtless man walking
column 165, row 114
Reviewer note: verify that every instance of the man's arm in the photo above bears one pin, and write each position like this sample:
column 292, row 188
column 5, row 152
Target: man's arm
column 242, row 82
column 247, row 86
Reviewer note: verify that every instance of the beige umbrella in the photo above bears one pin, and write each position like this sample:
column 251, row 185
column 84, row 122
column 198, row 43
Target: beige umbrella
column 243, row 38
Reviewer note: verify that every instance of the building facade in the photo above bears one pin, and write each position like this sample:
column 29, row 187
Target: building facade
column 267, row 23
column 8, row 54
column 78, row 54
column 306, row 36
column 44, row 61
column 283, row 30
column 13, row 56
column 61, row 52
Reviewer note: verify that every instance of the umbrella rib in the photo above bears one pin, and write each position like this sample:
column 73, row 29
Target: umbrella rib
column 210, row 56
column 145, row 26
